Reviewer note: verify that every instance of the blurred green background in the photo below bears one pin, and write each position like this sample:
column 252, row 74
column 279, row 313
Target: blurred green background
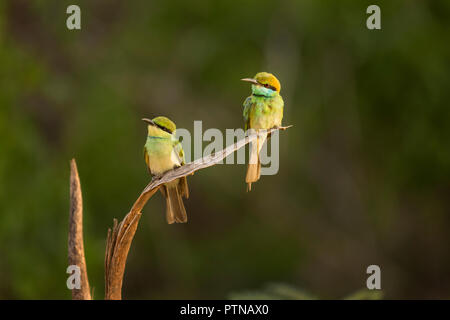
column 364, row 175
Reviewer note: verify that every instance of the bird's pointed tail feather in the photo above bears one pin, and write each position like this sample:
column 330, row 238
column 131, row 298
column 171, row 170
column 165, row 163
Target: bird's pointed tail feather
column 254, row 166
column 175, row 211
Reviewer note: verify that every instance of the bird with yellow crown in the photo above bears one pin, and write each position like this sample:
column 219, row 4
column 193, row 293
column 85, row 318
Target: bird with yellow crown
column 163, row 152
column 262, row 110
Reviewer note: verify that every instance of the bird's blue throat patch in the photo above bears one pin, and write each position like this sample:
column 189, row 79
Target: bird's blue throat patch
column 263, row 91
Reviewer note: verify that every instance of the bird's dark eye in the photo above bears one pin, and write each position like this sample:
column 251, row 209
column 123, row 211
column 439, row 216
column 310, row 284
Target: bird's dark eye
column 268, row 86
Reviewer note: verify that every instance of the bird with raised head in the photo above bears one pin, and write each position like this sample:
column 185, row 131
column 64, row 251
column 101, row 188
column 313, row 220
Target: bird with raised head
column 262, row 110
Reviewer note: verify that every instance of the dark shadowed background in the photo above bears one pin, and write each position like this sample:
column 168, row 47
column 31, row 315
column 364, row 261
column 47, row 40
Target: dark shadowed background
column 364, row 172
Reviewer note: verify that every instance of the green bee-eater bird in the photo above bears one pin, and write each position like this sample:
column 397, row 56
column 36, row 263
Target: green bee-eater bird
column 163, row 152
column 262, row 110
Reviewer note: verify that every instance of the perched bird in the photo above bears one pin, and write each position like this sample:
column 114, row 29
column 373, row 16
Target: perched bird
column 262, row 110
column 163, row 152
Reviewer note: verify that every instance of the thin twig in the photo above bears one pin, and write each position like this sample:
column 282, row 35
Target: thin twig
column 204, row 162
column 119, row 238
column 76, row 246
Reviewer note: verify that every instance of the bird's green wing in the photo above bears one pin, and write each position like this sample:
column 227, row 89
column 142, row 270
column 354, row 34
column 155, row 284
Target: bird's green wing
column 184, row 189
column 179, row 151
column 247, row 106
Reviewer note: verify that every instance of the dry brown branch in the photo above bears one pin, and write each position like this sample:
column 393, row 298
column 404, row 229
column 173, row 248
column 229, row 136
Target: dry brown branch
column 76, row 246
column 120, row 237
column 118, row 244
column 204, row 162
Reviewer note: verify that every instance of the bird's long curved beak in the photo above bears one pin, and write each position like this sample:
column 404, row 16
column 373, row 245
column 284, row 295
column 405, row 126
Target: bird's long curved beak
column 150, row 122
column 251, row 80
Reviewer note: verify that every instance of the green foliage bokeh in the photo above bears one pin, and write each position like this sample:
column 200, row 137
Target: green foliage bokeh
column 364, row 173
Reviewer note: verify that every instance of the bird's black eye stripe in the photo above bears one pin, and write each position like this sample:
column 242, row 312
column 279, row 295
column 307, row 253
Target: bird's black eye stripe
column 269, row 87
column 164, row 128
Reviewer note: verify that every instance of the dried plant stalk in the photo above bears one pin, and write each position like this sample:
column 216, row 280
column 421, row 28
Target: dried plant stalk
column 118, row 244
column 75, row 245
